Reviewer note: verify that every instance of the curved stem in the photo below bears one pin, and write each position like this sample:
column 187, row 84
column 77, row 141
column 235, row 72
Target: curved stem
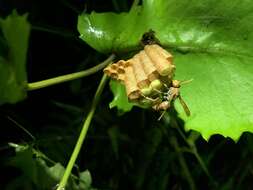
column 57, row 31
column 193, row 149
column 116, row 5
column 22, row 128
column 69, row 77
column 83, row 133
column 183, row 164
column 135, row 4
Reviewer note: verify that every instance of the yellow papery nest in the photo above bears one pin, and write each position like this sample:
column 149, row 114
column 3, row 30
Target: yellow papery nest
column 137, row 73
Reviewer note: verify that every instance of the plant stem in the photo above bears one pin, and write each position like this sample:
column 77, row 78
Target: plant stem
column 116, row 5
column 83, row 133
column 183, row 164
column 135, row 4
column 56, row 31
column 22, row 128
column 193, row 149
column 69, row 77
column 201, row 162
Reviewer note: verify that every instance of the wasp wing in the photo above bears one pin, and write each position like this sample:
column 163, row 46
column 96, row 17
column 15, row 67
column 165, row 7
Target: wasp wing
column 186, row 109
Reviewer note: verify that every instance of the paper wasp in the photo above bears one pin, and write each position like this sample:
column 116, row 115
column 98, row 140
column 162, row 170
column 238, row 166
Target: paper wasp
column 166, row 97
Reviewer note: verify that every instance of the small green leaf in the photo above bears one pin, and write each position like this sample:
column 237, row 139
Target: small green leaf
column 13, row 48
column 56, row 171
column 212, row 42
column 85, row 180
column 120, row 99
column 37, row 172
column 25, row 162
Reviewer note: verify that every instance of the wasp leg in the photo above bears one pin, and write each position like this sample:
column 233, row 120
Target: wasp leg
column 161, row 115
column 184, row 105
column 150, row 99
column 166, row 86
column 158, row 91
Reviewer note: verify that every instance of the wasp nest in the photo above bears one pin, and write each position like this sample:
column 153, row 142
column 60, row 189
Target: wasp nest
column 144, row 71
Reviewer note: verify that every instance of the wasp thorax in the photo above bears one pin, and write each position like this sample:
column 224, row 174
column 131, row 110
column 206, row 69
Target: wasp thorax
column 164, row 105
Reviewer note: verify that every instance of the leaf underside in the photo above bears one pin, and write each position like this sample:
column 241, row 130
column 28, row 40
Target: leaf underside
column 212, row 43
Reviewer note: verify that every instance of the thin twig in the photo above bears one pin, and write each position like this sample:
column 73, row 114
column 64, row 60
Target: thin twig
column 83, row 133
column 21, row 127
column 69, row 77
column 193, row 150
column 183, row 164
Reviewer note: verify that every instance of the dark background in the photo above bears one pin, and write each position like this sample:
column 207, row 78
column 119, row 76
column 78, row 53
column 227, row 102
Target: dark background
column 146, row 156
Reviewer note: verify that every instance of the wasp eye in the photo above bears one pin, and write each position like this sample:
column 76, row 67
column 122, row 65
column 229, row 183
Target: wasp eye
column 176, row 83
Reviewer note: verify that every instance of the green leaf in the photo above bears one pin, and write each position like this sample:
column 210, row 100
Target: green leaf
column 220, row 96
column 85, row 180
column 13, row 49
column 25, row 162
column 37, row 172
column 212, row 43
column 56, row 171
column 120, row 99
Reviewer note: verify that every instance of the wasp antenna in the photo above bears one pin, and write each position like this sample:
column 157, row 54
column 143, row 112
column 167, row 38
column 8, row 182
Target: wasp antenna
column 166, row 86
column 186, row 81
column 184, row 105
column 161, row 115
